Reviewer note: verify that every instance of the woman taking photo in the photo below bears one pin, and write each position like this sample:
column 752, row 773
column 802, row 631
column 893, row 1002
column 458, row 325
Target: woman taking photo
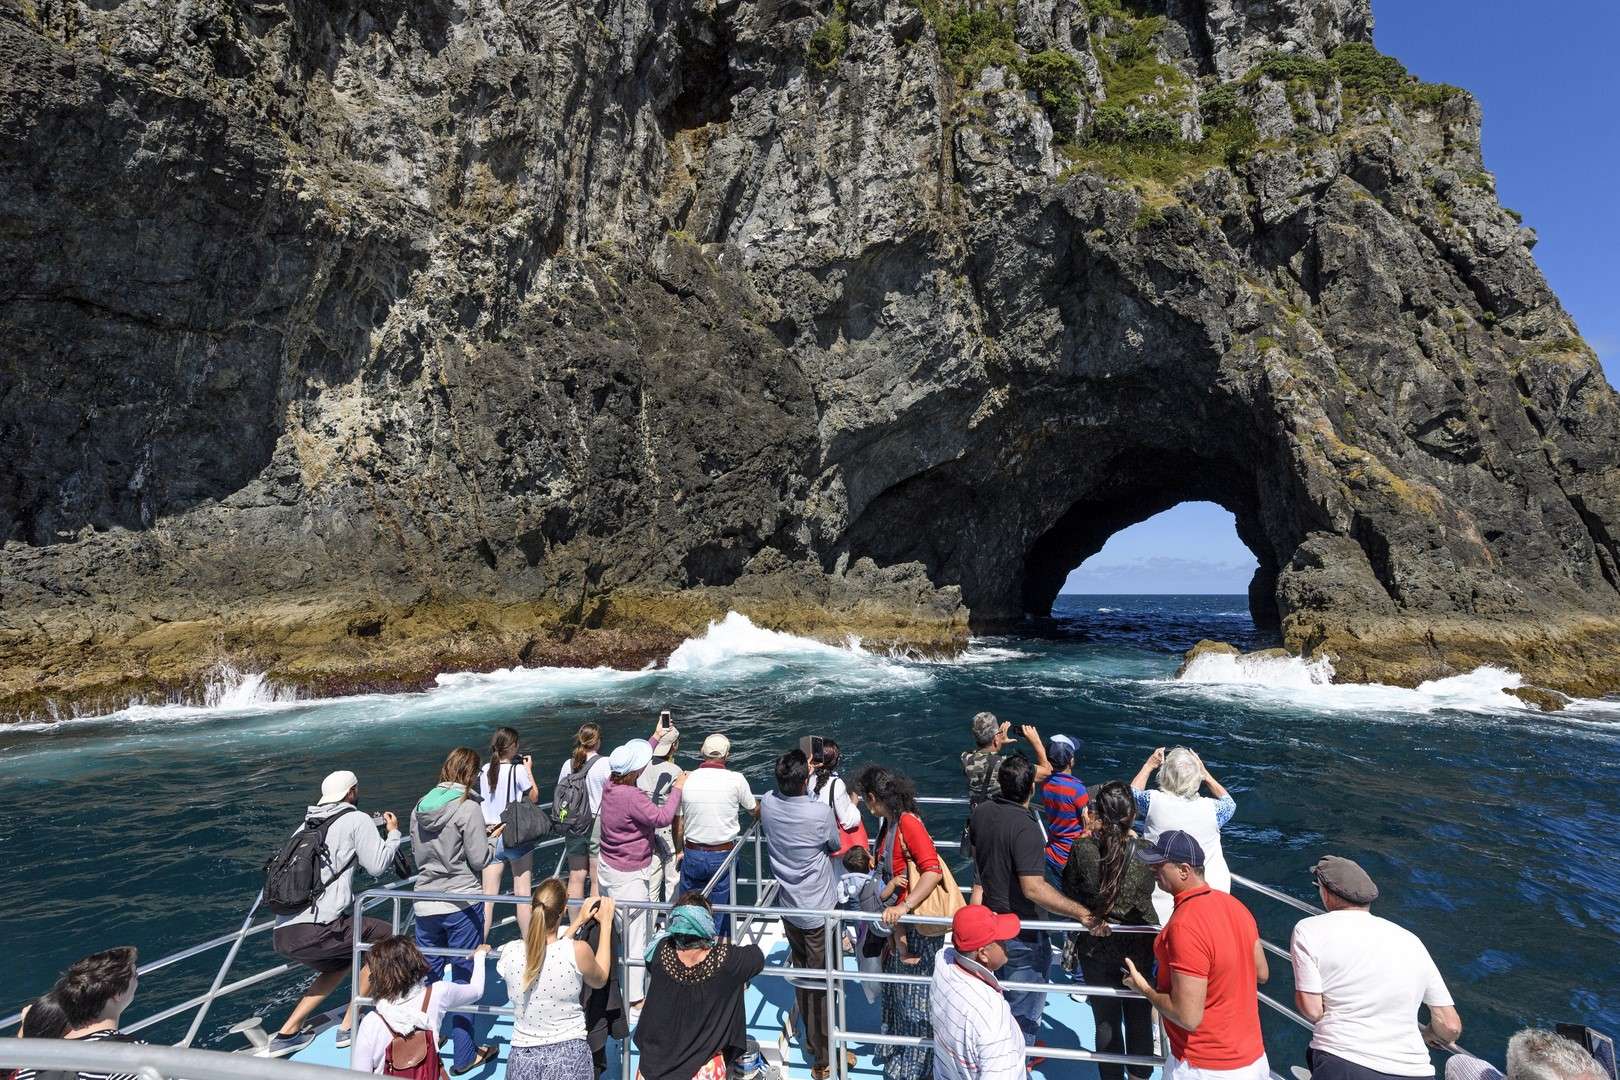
column 630, row 822
column 407, row 1001
column 508, row 778
column 1177, row 805
column 693, row 1025
column 903, row 848
column 1104, row 876
column 827, row 786
column 452, row 846
column 546, row 974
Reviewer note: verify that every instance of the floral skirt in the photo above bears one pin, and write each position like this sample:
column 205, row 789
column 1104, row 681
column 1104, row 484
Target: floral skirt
column 905, row 1008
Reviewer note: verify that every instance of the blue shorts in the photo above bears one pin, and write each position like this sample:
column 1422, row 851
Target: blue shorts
column 506, row 854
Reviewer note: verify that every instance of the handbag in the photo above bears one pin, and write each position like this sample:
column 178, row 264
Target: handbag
column 415, row 1055
column 524, row 824
column 943, row 903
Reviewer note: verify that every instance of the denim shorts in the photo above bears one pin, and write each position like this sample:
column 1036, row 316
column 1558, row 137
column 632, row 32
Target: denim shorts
column 506, row 854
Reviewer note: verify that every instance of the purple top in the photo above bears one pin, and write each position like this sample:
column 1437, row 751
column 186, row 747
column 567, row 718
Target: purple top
column 629, row 820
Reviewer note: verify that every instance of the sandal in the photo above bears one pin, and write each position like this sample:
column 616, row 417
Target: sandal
column 485, row 1053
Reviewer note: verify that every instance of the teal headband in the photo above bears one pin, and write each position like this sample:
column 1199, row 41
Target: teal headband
column 687, row 920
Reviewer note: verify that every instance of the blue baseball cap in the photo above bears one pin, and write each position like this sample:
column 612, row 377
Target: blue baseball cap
column 1174, row 846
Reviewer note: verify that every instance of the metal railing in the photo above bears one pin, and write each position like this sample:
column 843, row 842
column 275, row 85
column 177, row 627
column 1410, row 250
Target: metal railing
column 749, row 922
column 153, row 1062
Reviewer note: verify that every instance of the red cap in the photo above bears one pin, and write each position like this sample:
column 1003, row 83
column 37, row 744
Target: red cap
column 975, row 926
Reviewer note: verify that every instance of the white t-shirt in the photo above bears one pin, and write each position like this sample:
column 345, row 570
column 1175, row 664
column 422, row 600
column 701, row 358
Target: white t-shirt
column 1372, row 976
column 710, row 803
column 549, row 1012
column 512, row 783
column 835, row 793
column 596, row 778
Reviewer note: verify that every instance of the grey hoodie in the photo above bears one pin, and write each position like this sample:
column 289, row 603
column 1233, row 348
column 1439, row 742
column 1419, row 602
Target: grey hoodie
column 450, row 844
column 353, row 837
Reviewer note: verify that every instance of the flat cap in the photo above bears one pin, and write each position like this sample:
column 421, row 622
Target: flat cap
column 1344, row 878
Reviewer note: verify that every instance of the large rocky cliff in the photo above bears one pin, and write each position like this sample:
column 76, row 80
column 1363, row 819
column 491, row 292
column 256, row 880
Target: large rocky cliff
column 359, row 339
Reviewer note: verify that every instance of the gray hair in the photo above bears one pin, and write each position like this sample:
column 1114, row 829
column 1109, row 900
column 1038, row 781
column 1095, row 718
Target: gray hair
column 1181, row 773
column 985, row 726
column 1533, row 1054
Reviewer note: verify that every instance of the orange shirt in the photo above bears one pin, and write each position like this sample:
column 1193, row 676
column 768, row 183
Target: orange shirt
column 1211, row 936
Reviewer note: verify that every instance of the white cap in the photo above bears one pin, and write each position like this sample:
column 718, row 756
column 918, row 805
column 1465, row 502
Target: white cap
column 633, row 756
column 665, row 745
column 336, row 786
column 716, row 746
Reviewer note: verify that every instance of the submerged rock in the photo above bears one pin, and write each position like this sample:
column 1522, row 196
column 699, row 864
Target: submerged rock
column 366, row 342
column 1545, row 700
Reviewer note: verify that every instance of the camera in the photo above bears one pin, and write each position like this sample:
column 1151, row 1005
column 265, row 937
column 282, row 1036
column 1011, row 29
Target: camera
column 814, row 748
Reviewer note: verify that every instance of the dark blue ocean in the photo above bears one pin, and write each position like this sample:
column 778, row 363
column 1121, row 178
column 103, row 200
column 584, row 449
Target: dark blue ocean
column 1491, row 829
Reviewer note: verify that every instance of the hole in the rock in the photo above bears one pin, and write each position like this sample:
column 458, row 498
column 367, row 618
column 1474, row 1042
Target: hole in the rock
column 1189, row 550
column 1193, row 549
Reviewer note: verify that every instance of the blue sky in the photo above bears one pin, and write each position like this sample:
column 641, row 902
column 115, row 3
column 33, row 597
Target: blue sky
column 1547, row 79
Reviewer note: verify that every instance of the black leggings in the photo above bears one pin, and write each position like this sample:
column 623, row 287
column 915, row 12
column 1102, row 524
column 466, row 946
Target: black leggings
column 1124, row 1025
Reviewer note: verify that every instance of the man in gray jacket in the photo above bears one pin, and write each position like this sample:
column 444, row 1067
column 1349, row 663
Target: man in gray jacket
column 321, row 936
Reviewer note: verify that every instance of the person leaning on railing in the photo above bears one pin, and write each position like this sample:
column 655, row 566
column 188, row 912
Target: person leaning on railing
column 1009, row 863
column 907, row 859
column 1360, row 979
column 321, row 937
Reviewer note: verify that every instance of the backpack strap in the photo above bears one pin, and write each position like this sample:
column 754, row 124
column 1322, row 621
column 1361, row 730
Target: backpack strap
column 427, row 997
column 325, row 828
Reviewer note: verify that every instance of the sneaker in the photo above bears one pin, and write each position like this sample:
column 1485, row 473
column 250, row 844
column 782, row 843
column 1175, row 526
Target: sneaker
column 345, row 1038
column 282, row 1045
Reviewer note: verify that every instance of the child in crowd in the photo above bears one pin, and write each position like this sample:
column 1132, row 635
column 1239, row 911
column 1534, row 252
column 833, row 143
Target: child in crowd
column 860, row 890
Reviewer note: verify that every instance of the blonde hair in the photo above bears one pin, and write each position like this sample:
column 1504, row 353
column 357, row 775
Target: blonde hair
column 545, row 915
column 1181, row 773
column 461, row 767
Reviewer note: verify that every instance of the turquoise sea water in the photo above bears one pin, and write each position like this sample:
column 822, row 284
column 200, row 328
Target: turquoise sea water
column 1491, row 829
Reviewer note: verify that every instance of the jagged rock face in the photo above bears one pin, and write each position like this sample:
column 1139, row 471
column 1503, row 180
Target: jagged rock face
column 331, row 323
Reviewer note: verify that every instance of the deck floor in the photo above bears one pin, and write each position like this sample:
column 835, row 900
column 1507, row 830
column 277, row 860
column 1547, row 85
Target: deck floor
column 1067, row 1023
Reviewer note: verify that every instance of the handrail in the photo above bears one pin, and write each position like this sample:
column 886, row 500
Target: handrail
column 1279, row 896
column 152, row 1061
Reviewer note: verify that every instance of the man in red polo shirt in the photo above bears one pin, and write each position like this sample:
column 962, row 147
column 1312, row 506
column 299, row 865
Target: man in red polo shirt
column 1210, row 963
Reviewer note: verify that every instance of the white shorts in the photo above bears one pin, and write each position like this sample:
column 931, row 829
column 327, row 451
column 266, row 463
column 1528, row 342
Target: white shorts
column 1176, row 1069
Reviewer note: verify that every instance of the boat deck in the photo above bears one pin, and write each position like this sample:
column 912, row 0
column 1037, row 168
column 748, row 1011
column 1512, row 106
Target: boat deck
column 1066, row 1024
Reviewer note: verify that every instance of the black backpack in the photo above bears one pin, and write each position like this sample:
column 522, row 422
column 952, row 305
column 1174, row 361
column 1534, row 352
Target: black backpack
column 292, row 876
column 571, row 803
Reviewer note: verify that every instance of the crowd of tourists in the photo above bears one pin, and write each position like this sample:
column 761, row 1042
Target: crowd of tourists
column 646, row 844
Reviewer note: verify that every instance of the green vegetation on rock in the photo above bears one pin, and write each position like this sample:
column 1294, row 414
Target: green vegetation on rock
column 826, row 45
column 1054, row 78
column 1366, row 75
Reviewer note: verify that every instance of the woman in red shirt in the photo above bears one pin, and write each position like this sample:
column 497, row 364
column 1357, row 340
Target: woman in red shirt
column 903, row 845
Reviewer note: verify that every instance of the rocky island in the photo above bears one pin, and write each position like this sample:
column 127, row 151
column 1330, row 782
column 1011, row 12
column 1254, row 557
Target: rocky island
column 356, row 340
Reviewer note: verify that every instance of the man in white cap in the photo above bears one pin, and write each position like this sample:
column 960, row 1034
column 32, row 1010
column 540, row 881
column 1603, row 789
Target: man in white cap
column 657, row 780
column 713, row 798
column 321, row 935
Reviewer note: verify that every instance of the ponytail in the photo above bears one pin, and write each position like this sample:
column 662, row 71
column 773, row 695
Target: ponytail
column 545, row 915
column 503, row 742
column 586, row 739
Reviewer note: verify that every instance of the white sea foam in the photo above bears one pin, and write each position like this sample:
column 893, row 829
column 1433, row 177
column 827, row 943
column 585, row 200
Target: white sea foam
column 231, row 690
column 1309, row 684
column 736, row 637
